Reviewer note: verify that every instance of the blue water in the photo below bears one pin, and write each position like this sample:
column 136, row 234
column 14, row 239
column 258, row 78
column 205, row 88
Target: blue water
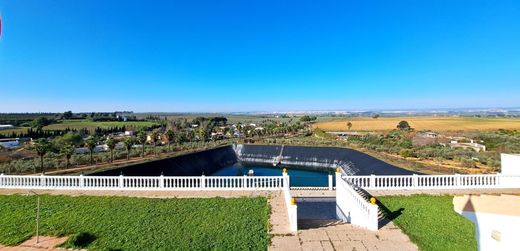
column 299, row 176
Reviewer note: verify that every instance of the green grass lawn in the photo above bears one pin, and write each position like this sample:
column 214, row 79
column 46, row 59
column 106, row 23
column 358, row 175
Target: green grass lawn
column 108, row 223
column 430, row 222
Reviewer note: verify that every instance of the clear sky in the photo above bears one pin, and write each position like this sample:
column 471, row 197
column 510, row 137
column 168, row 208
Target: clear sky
column 258, row 55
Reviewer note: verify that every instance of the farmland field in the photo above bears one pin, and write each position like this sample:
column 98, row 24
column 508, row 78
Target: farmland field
column 440, row 124
column 90, row 125
column 125, row 223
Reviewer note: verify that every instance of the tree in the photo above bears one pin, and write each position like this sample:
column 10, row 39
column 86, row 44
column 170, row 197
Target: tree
column 141, row 138
column 42, row 146
column 375, row 116
column 91, row 143
column 67, row 115
column 111, row 144
column 129, row 142
column 155, row 138
column 202, row 133
column 403, row 125
column 170, row 137
column 69, row 138
column 40, row 122
column 349, row 125
column 67, row 151
column 307, row 118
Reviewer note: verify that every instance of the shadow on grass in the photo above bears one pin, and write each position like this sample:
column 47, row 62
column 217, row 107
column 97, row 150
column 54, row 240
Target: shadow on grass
column 388, row 215
column 79, row 240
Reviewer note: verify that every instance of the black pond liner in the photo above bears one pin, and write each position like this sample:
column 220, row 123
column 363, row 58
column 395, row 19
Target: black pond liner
column 209, row 161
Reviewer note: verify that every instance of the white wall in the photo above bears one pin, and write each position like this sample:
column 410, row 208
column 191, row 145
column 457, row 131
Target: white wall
column 495, row 231
column 510, row 164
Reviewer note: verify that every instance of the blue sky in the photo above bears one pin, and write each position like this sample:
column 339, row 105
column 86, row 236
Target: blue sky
column 222, row 56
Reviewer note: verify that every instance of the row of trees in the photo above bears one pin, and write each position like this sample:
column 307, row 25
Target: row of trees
column 66, row 144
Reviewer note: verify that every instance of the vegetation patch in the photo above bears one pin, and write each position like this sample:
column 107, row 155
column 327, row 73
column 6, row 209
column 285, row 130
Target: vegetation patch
column 430, row 221
column 108, row 223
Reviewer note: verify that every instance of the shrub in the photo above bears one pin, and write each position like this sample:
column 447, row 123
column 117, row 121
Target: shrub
column 406, row 153
column 468, row 163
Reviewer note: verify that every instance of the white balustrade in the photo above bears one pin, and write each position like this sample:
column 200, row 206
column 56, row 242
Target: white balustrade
column 292, row 208
column 352, row 207
column 456, row 181
column 142, row 182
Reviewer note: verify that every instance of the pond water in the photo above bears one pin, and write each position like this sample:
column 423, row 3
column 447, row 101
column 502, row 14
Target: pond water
column 299, row 176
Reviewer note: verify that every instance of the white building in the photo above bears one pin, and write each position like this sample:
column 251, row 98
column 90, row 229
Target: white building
column 496, row 217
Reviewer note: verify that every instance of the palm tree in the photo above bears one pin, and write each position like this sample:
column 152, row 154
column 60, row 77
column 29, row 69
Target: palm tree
column 42, row 146
column 129, row 142
column 67, row 151
column 170, row 137
column 155, row 137
column 91, row 143
column 141, row 138
column 111, row 144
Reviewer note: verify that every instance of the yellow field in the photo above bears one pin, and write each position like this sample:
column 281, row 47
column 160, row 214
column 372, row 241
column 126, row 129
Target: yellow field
column 420, row 123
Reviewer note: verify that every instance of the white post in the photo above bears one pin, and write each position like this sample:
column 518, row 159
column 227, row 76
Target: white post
column 42, row 183
column 415, row 180
column 286, row 179
column 121, row 181
column 81, row 181
column 1, row 179
column 244, row 182
column 161, row 181
column 374, row 219
column 457, row 180
column 330, row 182
column 203, row 182
column 372, row 181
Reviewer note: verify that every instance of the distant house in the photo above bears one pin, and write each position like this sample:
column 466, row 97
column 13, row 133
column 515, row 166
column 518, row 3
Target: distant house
column 100, row 148
column 428, row 138
column 129, row 133
column 431, row 135
column 5, row 127
column 10, row 143
column 472, row 145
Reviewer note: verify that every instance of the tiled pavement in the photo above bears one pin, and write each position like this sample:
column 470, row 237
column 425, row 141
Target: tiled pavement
column 332, row 235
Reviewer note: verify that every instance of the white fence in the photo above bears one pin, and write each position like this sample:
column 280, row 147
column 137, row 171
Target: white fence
column 352, row 207
column 456, row 181
column 292, row 209
column 142, row 183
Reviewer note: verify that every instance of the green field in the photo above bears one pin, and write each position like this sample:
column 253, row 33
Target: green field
column 430, row 222
column 90, row 125
column 126, row 223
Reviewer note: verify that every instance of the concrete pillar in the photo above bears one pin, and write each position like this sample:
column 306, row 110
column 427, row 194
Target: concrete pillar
column 415, row 180
column 161, row 181
column 121, row 183
column 203, row 181
column 81, row 180
column 42, row 182
column 331, row 184
column 372, row 181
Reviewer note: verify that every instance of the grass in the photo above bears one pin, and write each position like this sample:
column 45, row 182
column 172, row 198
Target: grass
column 124, row 223
column 430, row 222
column 440, row 124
